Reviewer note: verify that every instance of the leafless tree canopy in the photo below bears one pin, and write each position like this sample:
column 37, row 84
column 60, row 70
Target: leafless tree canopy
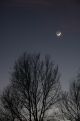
column 71, row 101
column 34, row 89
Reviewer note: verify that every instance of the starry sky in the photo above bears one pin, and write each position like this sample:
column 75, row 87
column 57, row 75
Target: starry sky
column 31, row 25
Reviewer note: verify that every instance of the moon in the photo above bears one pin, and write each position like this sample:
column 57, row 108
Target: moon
column 58, row 33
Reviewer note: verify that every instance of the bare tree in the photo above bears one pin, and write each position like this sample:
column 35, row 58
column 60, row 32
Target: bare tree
column 11, row 104
column 71, row 101
column 35, row 88
column 37, row 80
column 4, row 115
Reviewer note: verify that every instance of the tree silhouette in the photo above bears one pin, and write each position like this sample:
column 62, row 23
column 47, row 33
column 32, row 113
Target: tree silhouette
column 71, row 101
column 11, row 104
column 34, row 88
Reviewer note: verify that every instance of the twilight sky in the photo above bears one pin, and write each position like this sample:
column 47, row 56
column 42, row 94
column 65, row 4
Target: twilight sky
column 31, row 25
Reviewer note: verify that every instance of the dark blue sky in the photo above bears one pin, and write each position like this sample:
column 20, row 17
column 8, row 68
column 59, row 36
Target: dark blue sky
column 31, row 26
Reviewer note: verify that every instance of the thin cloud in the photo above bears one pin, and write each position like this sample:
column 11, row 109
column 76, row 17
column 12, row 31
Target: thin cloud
column 72, row 26
column 25, row 2
column 37, row 2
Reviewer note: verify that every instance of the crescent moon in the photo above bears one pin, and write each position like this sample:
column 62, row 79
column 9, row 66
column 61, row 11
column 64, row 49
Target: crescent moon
column 58, row 33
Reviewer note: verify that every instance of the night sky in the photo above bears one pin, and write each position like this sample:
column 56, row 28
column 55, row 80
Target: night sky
column 31, row 25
